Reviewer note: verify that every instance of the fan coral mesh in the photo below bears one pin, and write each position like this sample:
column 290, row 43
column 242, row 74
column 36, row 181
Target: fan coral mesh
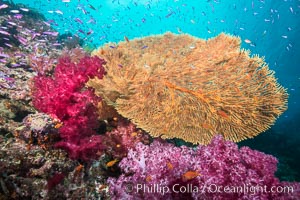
column 189, row 88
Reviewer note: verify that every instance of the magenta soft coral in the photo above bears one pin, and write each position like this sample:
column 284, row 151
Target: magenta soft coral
column 148, row 171
column 65, row 97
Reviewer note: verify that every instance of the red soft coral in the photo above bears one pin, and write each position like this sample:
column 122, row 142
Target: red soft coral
column 65, row 97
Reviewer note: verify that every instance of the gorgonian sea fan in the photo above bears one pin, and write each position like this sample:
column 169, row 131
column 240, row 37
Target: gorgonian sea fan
column 65, row 97
column 179, row 86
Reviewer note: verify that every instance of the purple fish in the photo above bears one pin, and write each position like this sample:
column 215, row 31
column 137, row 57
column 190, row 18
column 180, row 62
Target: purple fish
column 78, row 20
column 3, row 6
column 4, row 55
column 50, row 33
column 4, row 32
column 144, row 47
column 169, row 15
column 18, row 16
column 9, row 45
column 56, row 44
column 22, row 40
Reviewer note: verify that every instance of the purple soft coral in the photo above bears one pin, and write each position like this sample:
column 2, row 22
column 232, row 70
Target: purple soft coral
column 65, row 97
column 163, row 171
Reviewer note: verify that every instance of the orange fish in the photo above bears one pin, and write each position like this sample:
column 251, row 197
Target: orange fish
column 222, row 114
column 169, row 165
column 134, row 134
column 57, row 126
column 148, row 178
column 190, row 175
column 111, row 163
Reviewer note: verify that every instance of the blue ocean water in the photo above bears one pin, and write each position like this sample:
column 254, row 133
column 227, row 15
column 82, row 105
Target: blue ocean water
column 270, row 28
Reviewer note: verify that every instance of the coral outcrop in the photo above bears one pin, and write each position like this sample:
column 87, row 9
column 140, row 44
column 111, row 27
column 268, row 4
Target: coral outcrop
column 163, row 171
column 179, row 86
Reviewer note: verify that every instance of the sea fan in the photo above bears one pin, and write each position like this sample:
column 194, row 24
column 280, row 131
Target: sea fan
column 186, row 87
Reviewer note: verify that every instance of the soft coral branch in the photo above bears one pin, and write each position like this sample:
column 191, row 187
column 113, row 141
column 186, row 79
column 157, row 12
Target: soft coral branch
column 65, row 97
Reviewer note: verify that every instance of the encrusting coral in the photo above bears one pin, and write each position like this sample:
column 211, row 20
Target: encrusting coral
column 179, row 86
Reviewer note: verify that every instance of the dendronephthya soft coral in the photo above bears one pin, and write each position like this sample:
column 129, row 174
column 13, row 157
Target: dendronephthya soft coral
column 64, row 96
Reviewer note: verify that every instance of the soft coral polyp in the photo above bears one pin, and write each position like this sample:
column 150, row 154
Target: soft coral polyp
column 65, row 97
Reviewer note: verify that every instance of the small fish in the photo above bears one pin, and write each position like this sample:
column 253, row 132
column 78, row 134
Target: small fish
column 179, row 30
column 112, row 47
column 247, row 41
column 134, row 134
column 4, row 55
column 12, row 23
column 65, row 1
column 14, row 11
column 190, row 175
column 24, row 9
column 144, row 47
column 169, row 165
column 126, row 38
column 291, row 9
column 56, row 44
column 48, row 24
column 90, row 32
column 78, row 20
column 112, row 163
column 169, row 15
column 59, row 12
column 2, row 6
column 22, row 40
column 18, row 16
column 222, row 114
column 92, row 21
column 50, row 33
column 91, row 7
column 58, row 125
column 4, row 32
column 284, row 36
column 148, row 178
column 192, row 21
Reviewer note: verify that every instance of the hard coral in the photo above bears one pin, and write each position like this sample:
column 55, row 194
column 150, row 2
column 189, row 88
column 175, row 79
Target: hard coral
column 179, row 86
column 163, row 171
column 64, row 96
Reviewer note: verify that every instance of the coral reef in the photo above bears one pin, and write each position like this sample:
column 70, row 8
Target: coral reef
column 24, row 172
column 33, row 173
column 163, row 171
column 39, row 128
column 64, row 97
column 179, row 86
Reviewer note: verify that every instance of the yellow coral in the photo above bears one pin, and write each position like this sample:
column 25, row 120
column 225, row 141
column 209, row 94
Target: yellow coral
column 185, row 87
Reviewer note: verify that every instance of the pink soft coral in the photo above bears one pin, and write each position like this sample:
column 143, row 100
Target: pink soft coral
column 65, row 97
column 163, row 171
